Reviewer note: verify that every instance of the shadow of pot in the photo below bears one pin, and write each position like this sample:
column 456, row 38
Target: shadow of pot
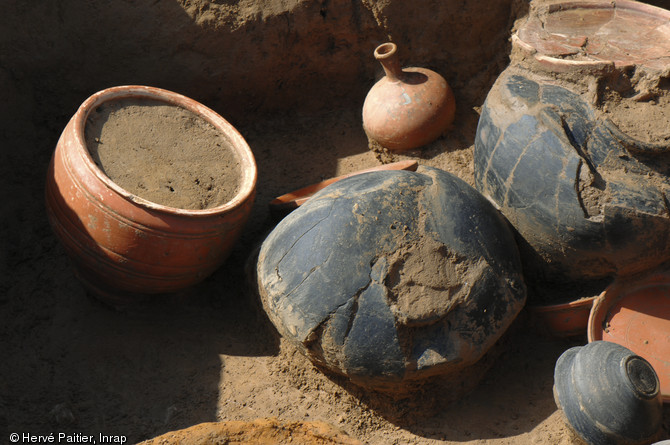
column 608, row 394
column 124, row 246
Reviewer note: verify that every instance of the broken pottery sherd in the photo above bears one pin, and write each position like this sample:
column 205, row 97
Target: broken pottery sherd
column 296, row 198
column 391, row 277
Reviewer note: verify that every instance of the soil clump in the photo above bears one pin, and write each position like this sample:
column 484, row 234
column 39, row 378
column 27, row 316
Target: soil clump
column 642, row 116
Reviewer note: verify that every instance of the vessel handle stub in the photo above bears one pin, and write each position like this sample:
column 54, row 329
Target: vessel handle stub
column 387, row 55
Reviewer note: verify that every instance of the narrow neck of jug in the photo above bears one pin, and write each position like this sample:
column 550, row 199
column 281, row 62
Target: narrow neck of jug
column 387, row 55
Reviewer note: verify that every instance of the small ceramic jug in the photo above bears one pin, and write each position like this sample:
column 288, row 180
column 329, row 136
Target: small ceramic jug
column 408, row 107
column 608, row 394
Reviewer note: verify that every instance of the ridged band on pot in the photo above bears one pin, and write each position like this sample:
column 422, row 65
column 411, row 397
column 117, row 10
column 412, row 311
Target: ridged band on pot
column 392, row 277
column 122, row 244
column 608, row 394
column 409, row 107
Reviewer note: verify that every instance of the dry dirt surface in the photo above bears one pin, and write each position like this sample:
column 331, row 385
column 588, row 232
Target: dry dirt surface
column 261, row 432
column 162, row 153
column 209, row 354
column 71, row 364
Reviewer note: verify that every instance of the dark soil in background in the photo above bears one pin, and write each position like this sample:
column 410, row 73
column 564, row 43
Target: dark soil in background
column 162, row 153
column 72, row 364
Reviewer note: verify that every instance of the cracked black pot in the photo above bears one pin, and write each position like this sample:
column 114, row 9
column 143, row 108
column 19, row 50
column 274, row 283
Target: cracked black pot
column 588, row 199
column 580, row 192
column 392, row 277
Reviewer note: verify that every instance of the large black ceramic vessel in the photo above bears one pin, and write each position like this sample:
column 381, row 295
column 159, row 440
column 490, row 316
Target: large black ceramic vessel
column 392, row 277
column 589, row 200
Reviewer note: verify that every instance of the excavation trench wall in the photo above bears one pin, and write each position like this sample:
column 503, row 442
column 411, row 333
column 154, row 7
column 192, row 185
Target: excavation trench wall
column 242, row 57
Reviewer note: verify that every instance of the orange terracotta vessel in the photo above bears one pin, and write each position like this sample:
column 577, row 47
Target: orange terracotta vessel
column 563, row 320
column 296, row 198
column 124, row 246
column 408, row 107
column 635, row 312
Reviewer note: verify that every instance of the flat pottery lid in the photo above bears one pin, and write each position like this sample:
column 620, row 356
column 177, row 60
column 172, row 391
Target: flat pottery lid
column 636, row 315
column 584, row 33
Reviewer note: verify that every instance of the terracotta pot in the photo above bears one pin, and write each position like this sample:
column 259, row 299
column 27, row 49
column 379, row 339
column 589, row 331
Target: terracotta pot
column 563, row 320
column 408, row 107
column 608, row 394
column 635, row 312
column 594, row 36
column 123, row 245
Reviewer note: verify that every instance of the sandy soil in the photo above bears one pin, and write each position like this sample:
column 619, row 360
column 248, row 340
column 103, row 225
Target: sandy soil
column 71, row 364
column 162, row 153
column 261, row 432
column 210, row 354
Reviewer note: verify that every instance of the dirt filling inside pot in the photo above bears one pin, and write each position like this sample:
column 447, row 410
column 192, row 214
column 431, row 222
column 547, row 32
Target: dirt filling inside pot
column 163, row 153
column 644, row 116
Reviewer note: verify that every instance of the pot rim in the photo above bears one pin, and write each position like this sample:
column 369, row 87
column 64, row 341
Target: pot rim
column 563, row 319
column 620, row 293
column 570, row 305
column 296, row 198
column 634, row 144
column 563, row 64
column 238, row 145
